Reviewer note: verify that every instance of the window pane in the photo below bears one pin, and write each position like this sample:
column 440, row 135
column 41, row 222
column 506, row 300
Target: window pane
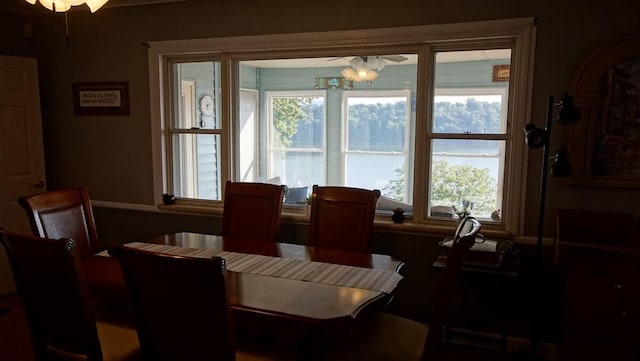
column 378, row 171
column 468, row 99
column 297, row 139
column 297, row 168
column 198, row 105
column 376, row 150
column 474, row 114
column 466, row 171
column 377, row 123
column 297, row 122
column 196, row 170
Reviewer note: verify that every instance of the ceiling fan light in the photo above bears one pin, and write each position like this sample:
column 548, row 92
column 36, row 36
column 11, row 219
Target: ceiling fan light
column 60, row 6
column 349, row 74
column 94, row 5
column 375, row 62
column 360, row 75
column 32, row 2
column 357, row 62
column 370, row 76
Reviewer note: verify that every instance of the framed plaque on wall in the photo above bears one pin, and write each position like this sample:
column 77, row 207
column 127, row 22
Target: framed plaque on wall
column 101, row 98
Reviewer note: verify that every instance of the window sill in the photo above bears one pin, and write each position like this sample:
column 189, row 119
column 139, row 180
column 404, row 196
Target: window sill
column 190, row 209
column 381, row 223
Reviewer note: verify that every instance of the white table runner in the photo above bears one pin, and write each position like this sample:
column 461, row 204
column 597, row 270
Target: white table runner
column 311, row 271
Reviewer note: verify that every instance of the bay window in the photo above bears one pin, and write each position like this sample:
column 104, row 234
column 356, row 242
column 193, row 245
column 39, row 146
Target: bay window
column 435, row 130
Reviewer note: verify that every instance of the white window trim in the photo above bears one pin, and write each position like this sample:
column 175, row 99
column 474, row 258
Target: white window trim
column 520, row 31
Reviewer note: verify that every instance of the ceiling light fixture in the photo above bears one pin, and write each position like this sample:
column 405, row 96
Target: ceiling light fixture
column 363, row 68
column 64, row 5
column 360, row 75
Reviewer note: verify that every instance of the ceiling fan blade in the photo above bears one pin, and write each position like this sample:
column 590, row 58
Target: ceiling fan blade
column 394, row 58
column 337, row 58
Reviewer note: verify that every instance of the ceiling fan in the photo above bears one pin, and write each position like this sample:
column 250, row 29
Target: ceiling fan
column 365, row 68
column 373, row 62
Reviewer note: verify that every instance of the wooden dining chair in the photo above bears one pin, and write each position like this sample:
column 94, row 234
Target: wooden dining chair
column 50, row 281
column 342, row 218
column 63, row 213
column 252, row 211
column 389, row 337
column 181, row 307
column 67, row 213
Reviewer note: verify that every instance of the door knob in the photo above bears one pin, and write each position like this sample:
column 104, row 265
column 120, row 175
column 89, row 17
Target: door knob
column 38, row 184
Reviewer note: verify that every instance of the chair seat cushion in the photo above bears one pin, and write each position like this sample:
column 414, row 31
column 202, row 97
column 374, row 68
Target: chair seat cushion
column 118, row 342
column 385, row 338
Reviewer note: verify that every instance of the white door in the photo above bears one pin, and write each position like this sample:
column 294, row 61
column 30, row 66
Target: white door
column 21, row 151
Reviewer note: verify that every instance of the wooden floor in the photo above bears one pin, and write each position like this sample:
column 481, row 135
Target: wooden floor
column 15, row 344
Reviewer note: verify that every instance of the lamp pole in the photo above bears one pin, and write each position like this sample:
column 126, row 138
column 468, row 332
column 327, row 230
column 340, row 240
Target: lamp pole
column 535, row 307
column 540, row 138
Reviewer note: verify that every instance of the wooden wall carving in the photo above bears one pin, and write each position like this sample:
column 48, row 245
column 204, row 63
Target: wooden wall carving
column 605, row 144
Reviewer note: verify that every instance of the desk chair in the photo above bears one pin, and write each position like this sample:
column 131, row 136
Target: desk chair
column 342, row 218
column 389, row 338
column 252, row 210
column 52, row 287
column 64, row 213
column 181, row 306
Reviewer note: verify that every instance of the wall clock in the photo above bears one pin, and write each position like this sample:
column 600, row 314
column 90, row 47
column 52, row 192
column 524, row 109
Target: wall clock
column 206, row 105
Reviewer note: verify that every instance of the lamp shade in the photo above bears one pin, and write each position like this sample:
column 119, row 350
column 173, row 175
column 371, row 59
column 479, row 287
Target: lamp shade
column 561, row 166
column 535, row 137
column 94, row 5
column 360, row 75
column 65, row 5
column 568, row 114
column 56, row 5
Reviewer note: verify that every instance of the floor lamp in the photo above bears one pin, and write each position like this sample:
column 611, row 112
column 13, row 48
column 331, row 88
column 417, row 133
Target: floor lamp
column 539, row 138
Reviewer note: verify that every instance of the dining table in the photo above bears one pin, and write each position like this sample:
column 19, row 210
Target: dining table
column 307, row 294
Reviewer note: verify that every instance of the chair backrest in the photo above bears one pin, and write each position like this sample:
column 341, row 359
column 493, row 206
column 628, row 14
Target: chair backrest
column 342, row 218
column 180, row 305
column 64, row 213
column 50, row 280
column 252, row 211
column 464, row 238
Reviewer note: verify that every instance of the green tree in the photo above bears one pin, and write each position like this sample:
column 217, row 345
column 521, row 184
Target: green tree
column 453, row 184
column 394, row 188
column 287, row 112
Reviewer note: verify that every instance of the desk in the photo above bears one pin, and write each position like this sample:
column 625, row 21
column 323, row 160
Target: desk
column 507, row 273
column 309, row 311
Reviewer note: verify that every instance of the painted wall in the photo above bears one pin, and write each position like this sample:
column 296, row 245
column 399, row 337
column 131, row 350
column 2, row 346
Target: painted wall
column 15, row 35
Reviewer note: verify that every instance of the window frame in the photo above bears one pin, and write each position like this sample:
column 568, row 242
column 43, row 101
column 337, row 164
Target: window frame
column 425, row 40
column 505, row 136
